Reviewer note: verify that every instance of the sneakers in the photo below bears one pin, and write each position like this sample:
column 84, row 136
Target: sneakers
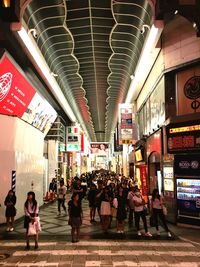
column 118, row 232
column 139, row 233
column 169, row 234
column 148, row 234
column 11, row 229
column 8, row 229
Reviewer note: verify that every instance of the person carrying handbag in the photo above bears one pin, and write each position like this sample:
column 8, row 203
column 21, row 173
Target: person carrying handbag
column 139, row 208
column 157, row 206
column 31, row 219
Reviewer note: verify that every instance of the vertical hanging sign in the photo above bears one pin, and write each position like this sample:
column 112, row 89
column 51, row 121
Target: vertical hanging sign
column 127, row 129
column 13, row 181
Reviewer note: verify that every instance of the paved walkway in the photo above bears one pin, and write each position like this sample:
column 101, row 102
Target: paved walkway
column 96, row 249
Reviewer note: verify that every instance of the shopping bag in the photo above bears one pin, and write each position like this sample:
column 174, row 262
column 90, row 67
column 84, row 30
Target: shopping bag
column 32, row 229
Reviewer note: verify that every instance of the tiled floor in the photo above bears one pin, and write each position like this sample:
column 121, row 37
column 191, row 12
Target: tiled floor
column 95, row 249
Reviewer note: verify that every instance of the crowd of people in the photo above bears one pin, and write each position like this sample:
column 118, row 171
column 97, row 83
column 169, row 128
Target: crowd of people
column 110, row 198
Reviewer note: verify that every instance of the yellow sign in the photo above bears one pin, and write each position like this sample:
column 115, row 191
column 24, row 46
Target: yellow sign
column 185, row 129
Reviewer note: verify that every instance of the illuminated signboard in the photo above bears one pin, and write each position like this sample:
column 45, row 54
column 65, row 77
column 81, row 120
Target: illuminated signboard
column 183, row 138
column 185, row 129
column 168, row 172
column 100, row 149
column 127, row 125
column 40, row 114
column 73, row 139
column 138, row 155
column 73, row 147
column 169, row 185
column 16, row 92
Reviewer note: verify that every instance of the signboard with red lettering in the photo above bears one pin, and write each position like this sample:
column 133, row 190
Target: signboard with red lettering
column 183, row 137
column 143, row 179
column 16, row 92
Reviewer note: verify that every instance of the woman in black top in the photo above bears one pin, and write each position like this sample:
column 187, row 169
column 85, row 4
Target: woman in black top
column 10, row 202
column 75, row 216
column 121, row 209
column 92, row 201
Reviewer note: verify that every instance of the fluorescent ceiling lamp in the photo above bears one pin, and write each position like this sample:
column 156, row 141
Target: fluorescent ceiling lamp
column 52, row 83
column 140, row 70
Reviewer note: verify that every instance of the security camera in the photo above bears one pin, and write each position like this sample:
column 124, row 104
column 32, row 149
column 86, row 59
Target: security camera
column 34, row 33
column 142, row 29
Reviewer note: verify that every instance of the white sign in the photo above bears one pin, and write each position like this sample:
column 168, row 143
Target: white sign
column 168, row 185
column 168, row 172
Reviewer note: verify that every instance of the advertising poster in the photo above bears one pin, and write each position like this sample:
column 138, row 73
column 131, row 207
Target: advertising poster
column 99, row 149
column 16, row 92
column 40, row 114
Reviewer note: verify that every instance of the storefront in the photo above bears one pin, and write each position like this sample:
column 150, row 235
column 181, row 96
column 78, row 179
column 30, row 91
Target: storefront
column 183, row 140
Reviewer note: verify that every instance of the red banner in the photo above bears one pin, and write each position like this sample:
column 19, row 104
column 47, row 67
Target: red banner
column 15, row 91
column 143, row 178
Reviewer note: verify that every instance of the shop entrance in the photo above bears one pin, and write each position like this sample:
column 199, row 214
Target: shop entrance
column 154, row 172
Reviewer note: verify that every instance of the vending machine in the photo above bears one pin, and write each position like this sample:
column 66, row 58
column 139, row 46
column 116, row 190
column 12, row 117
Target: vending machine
column 187, row 174
column 188, row 197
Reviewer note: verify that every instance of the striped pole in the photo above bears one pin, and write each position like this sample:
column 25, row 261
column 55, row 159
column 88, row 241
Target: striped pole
column 13, row 182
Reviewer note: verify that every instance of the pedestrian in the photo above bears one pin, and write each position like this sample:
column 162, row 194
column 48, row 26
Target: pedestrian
column 121, row 199
column 139, row 210
column 31, row 220
column 78, row 188
column 10, row 214
column 105, row 208
column 130, row 205
column 92, row 202
column 98, row 196
column 61, row 197
column 75, row 216
column 53, row 186
column 157, row 204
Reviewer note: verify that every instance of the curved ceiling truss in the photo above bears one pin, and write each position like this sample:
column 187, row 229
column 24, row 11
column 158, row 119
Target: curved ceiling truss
column 93, row 46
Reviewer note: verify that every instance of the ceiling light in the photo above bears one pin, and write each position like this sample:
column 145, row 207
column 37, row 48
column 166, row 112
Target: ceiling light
column 50, row 80
column 6, row 3
column 54, row 74
column 176, row 12
column 150, row 43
